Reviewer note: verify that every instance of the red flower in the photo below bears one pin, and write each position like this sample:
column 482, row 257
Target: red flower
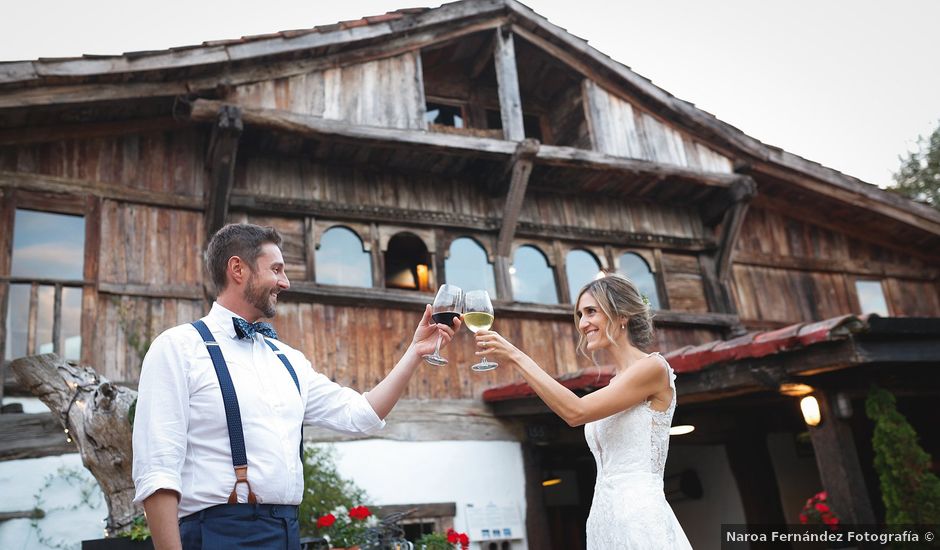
column 464, row 540
column 803, row 518
column 822, row 507
column 452, row 536
column 822, row 495
column 359, row 512
column 326, row 521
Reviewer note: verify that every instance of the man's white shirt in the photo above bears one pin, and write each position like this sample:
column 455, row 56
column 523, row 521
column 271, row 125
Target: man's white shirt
column 181, row 437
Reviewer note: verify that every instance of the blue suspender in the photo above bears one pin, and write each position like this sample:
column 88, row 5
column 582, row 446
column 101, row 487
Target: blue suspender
column 233, row 415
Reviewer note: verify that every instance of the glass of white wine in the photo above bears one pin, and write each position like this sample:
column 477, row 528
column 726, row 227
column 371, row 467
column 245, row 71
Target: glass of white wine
column 478, row 315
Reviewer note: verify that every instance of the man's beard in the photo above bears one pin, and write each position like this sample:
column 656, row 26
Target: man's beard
column 259, row 297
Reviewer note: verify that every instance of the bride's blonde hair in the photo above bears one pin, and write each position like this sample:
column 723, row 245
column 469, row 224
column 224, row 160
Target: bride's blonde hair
column 624, row 305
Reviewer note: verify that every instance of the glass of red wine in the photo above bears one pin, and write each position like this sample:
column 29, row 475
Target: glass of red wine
column 447, row 306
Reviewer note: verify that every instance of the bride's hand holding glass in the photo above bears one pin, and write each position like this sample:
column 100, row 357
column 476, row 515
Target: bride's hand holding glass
column 494, row 346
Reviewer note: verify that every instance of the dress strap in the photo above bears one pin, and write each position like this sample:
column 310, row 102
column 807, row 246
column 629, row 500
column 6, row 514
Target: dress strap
column 665, row 363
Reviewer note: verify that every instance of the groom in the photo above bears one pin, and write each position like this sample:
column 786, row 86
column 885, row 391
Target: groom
column 221, row 404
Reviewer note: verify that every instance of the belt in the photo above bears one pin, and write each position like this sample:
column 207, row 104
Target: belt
column 242, row 510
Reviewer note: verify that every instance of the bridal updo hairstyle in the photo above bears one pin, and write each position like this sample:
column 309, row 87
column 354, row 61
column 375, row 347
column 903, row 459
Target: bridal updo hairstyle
column 619, row 299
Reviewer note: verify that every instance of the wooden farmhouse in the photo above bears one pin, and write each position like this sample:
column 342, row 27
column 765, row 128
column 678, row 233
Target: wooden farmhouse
column 476, row 144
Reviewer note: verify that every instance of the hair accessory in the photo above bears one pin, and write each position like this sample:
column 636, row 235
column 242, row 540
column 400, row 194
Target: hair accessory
column 646, row 299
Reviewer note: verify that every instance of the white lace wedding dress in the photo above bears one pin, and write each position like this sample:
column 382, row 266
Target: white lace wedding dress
column 629, row 510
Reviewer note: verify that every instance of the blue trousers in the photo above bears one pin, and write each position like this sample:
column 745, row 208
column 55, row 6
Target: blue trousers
column 242, row 527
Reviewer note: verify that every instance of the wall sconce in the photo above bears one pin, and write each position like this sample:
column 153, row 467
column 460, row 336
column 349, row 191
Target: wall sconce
column 810, row 407
column 795, row 389
column 681, row 429
column 422, row 277
column 551, row 479
column 843, row 406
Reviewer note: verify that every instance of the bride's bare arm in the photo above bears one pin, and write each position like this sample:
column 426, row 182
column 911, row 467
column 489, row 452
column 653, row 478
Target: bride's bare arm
column 642, row 380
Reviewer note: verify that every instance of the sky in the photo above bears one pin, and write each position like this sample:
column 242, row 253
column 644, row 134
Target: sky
column 847, row 83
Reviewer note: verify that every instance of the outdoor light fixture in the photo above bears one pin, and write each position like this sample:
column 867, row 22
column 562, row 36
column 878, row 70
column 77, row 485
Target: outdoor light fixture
column 422, row 277
column 794, row 389
column 810, row 408
column 551, row 479
column 681, row 429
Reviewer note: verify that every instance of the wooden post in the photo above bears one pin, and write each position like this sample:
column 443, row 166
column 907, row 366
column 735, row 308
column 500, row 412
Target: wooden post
column 716, row 268
column 503, row 282
column 839, row 467
column 220, row 160
column 536, row 517
column 753, row 470
column 507, row 79
column 7, row 212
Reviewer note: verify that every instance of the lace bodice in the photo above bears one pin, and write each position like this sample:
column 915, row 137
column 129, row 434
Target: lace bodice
column 635, row 440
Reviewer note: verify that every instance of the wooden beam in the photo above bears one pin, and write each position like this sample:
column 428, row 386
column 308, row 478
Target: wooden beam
column 507, row 79
column 315, row 127
column 304, row 291
column 88, row 130
column 434, row 420
column 54, row 184
column 753, row 470
column 868, row 268
column 223, row 148
column 839, row 467
column 742, row 191
column 318, row 128
column 32, row 436
column 35, row 513
column 171, row 291
column 485, row 56
column 573, row 157
column 521, row 169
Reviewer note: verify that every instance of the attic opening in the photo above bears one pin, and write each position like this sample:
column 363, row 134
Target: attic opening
column 460, row 85
column 552, row 97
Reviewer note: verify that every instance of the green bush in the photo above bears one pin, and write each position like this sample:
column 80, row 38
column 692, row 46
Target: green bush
column 324, row 488
column 911, row 492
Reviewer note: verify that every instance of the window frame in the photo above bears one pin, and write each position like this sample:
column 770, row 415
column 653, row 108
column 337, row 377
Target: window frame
column 366, row 236
column 653, row 259
column 884, row 293
column 87, row 207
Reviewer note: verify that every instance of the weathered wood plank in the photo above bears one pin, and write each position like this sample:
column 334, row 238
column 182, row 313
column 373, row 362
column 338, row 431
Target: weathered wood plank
column 53, row 184
column 176, row 291
column 32, row 436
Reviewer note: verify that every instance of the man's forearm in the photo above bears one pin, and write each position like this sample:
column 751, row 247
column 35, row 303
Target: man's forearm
column 162, row 509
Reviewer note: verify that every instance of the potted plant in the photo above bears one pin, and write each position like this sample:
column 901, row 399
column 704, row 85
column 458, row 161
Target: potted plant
column 816, row 511
column 451, row 540
column 345, row 528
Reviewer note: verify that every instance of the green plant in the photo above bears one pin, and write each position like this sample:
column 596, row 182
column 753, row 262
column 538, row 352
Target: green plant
column 324, row 489
column 139, row 530
column 911, row 492
column 443, row 541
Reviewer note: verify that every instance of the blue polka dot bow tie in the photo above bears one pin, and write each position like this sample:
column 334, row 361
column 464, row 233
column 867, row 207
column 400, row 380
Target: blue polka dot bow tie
column 244, row 329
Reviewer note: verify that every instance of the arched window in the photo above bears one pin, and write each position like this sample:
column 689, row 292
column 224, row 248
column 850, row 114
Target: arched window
column 581, row 267
column 532, row 279
column 341, row 259
column 468, row 268
column 406, row 263
column 635, row 268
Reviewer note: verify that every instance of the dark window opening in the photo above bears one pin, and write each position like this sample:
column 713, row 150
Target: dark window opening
column 414, row 531
column 407, row 263
column 532, row 124
column 444, row 115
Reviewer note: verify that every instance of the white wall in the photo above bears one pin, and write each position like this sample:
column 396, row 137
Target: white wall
column 71, row 516
column 720, row 503
column 465, row 472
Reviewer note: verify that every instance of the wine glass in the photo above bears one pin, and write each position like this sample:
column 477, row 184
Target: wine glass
column 478, row 315
column 446, row 308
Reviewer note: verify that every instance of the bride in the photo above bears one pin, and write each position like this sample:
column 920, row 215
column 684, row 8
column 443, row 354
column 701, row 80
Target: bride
column 626, row 424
